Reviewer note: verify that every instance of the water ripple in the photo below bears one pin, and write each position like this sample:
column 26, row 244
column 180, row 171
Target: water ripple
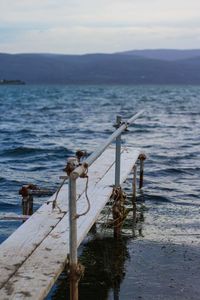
column 46, row 124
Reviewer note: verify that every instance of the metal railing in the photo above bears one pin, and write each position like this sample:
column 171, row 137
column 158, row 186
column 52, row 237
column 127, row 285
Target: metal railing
column 73, row 176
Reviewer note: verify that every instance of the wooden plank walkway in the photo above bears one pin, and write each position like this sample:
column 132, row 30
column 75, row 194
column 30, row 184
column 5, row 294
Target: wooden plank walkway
column 33, row 257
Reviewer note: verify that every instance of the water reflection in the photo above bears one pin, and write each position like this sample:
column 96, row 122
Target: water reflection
column 104, row 259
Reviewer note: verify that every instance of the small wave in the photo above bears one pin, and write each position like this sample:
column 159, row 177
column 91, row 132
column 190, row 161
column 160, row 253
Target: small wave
column 169, row 172
column 182, row 203
column 157, row 198
column 25, row 151
column 8, row 181
column 21, row 151
column 9, row 206
column 2, row 179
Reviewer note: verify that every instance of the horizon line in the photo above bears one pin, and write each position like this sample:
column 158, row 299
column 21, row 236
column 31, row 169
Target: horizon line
column 103, row 53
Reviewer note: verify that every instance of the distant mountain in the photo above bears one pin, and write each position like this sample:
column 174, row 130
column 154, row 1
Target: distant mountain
column 132, row 67
column 164, row 54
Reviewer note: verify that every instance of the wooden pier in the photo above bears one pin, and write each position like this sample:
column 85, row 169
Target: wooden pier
column 33, row 257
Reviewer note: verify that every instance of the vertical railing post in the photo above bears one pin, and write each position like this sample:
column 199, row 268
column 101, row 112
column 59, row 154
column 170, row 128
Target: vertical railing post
column 134, row 187
column 73, row 239
column 117, row 206
column 118, row 154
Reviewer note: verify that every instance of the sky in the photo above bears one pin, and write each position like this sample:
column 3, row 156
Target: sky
column 90, row 26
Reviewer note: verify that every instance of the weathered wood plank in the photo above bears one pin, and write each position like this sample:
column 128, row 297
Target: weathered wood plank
column 39, row 272
column 28, row 236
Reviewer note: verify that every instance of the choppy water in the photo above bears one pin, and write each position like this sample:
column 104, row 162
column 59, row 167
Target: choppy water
column 42, row 125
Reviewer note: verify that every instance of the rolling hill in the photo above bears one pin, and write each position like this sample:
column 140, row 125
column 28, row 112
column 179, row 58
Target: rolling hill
column 131, row 67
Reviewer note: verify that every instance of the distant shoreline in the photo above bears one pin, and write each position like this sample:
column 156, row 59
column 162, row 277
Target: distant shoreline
column 143, row 67
column 15, row 82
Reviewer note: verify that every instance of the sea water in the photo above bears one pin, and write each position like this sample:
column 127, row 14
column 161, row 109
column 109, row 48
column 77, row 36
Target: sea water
column 43, row 125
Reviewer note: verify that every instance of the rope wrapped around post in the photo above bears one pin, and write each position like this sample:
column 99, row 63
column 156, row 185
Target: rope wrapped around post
column 118, row 210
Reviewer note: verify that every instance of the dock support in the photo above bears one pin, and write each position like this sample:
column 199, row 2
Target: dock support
column 73, row 240
column 118, row 154
column 142, row 157
column 117, row 206
column 118, row 211
column 27, row 192
column 134, row 183
column 27, row 205
column 27, row 200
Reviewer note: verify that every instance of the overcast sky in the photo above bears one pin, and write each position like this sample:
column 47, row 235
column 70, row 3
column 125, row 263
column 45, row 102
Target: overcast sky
column 86, row 26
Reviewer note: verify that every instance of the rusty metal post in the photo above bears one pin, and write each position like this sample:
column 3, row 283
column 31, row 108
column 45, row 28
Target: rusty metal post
column 134, row 183
column 142, row 157
column 73, row 260
column 27, row 204
column 27, row 200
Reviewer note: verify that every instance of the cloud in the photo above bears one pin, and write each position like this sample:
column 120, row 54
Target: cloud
column 74, row 26
column 86, row 40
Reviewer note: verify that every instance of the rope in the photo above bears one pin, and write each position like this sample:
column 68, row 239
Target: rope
column 71, row 165
column 77, row 272
column 117, row 208
column 85, row 175
column 122, row 218
column 54, row 202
